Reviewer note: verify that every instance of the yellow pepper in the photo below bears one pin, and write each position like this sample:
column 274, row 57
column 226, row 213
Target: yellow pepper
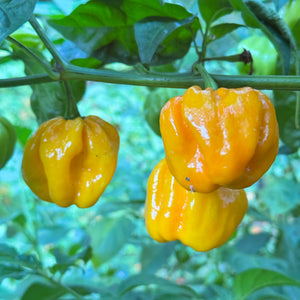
column 71, row 161
column 202, row 221
column 223, row 137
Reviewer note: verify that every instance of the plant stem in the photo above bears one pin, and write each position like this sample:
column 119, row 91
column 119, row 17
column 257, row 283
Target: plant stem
column 71, row 111
column 52, row 74
column 60, row 61
column 208, row 80
column 167, row 80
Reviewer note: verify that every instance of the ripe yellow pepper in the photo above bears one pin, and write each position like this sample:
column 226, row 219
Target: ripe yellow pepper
column 223, row 137
column 202, row 221
column 71, row 161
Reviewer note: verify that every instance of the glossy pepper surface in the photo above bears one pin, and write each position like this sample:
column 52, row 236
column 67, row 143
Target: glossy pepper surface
column 202, row 221
column 71, row 161
column 7, row 141
column 224, row 137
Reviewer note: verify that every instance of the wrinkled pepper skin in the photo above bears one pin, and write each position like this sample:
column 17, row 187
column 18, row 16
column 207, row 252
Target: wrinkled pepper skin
column 71, row 161
column 224, row 137
column 8, row 139
column 202, row 221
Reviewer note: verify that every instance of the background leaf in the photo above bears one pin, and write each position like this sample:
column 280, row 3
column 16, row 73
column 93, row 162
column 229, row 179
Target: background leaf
column 108, row 236
column 282, row 197
column 285, row 104
column 153, row 256
column 145, row 279
column 13, row 14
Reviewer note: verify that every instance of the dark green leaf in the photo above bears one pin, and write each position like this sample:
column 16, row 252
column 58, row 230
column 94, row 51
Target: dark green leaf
column 137, row 10
column 13, row 14
column 252, row 280
column 151, row 32
column 43, row 291
column 9, row 255
column 6, row 251
column 221, row 30
column 105, row 30
column 153, row 256
column 147, row 279
column 48, row 100
column 296, row 33
column 214, row 9
column 108, row 236
column 10, row 271
column 257, row 15
column 285, row 104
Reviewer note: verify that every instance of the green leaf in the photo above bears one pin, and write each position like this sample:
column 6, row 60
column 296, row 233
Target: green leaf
column 296, row 33
column 20, row 220
column 285, row 105
column 154, row 102
column 252, row 280
column 153, row 256
column 48, row 100
column 137, row 10
column 23, row 134
column 43, row 291
column 214, row 9
column 221, row 30
column 108, row 236
column 105, row 30
column 13, row 14
column 164, row 284
column 151, row 32
column 257, row 15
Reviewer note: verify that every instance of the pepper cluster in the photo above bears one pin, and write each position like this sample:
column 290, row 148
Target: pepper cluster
column 216, row 142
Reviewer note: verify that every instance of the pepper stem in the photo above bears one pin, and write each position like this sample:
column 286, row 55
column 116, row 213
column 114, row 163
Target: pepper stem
column 71, row 109
column 208, row 80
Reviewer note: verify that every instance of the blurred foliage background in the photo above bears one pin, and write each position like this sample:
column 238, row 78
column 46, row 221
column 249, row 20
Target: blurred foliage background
column 104, row 252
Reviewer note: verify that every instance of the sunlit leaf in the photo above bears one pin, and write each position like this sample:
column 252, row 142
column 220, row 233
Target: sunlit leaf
column 252, row 280
column 285, row 104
